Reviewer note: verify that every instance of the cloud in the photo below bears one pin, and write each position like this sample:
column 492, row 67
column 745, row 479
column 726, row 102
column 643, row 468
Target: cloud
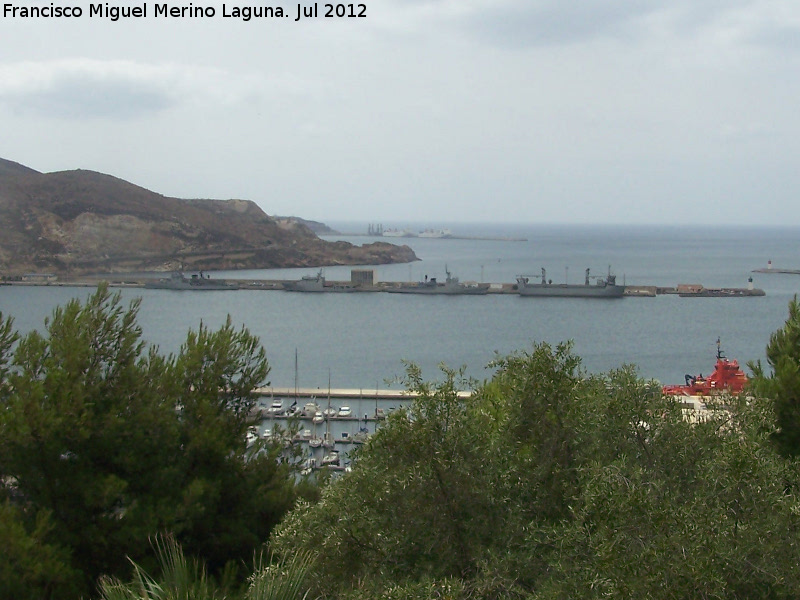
column 552, row 22
column 522, row 24
column 97, row 89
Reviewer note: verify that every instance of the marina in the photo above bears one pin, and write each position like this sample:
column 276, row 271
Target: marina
column 324, row 426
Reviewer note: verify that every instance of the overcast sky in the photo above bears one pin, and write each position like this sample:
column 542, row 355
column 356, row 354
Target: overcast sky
column 429, row 111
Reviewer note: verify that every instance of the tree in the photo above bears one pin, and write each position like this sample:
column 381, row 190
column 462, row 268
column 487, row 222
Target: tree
column 782, row 385
column 116, row 442
column 416, row 506
column 547, row 482
column 31, row 568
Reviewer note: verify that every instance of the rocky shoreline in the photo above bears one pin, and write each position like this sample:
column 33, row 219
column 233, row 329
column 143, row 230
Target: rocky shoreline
column 75, row 223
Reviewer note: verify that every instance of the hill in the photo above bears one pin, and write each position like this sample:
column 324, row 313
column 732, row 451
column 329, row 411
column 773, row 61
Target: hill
column 78, row 222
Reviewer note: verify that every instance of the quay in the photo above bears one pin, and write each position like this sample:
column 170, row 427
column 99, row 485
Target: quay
column 340, row 393
column 636, row 291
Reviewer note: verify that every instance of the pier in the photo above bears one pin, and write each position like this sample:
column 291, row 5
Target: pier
column 633, row 291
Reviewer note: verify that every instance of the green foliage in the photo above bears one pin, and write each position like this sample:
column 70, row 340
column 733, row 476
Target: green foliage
column 280, row 580
column 782, row 385
column 8, row 337
column 725, row 528
column 542, row 388
column 31, row 568
column 415, row 504
column 550, row 483
column 117, row 442
column 183, row 579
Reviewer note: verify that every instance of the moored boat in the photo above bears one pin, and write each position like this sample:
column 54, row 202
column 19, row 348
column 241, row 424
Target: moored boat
column 603, row 287
column 178, row 281
column 331, row 459
column 308, row 283
column 726, row 377
column 451, row 286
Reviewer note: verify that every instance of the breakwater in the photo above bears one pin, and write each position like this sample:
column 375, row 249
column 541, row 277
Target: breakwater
column 643, row 291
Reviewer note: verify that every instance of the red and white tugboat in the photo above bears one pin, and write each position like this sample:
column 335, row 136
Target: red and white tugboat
column 726, row 377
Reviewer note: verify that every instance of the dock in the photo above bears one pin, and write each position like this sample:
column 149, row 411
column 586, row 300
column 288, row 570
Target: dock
column 340, row 393
column 632, row 291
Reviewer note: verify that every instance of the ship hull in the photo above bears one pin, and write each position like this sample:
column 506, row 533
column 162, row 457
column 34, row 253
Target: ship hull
column 204, row 287
column 302, row 286
column 570, row 291
column 441, row 290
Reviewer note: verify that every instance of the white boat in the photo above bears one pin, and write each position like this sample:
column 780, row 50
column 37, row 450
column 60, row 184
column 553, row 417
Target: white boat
column 327, row 440
column 276, row 408
column 310, row 409
column 331, row 459
column 345, row 411
column 331, row 411
column 318, row 417
column 252, row 434
column 315, row 442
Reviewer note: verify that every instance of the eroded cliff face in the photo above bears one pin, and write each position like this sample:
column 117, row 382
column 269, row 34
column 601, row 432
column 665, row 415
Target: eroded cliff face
column 79, row 222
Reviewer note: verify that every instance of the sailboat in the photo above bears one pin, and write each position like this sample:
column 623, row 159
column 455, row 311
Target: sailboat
column 327, row 440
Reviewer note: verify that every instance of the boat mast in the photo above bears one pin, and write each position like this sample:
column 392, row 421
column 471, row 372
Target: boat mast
column 328, row 413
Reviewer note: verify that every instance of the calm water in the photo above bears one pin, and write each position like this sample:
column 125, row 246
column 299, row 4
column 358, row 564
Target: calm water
column 361, row 340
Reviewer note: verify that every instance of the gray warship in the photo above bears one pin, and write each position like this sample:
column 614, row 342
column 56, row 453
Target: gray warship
column 451, row 286
column 603, row 287
column 178, row 281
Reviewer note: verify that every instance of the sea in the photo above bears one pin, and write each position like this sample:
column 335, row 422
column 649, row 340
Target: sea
column 364, row 340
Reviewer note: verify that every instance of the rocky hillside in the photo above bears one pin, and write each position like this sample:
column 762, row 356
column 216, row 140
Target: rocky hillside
column 79, row 222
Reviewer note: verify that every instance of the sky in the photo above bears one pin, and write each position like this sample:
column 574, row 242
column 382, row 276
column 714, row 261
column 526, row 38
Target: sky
column 425, row 111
